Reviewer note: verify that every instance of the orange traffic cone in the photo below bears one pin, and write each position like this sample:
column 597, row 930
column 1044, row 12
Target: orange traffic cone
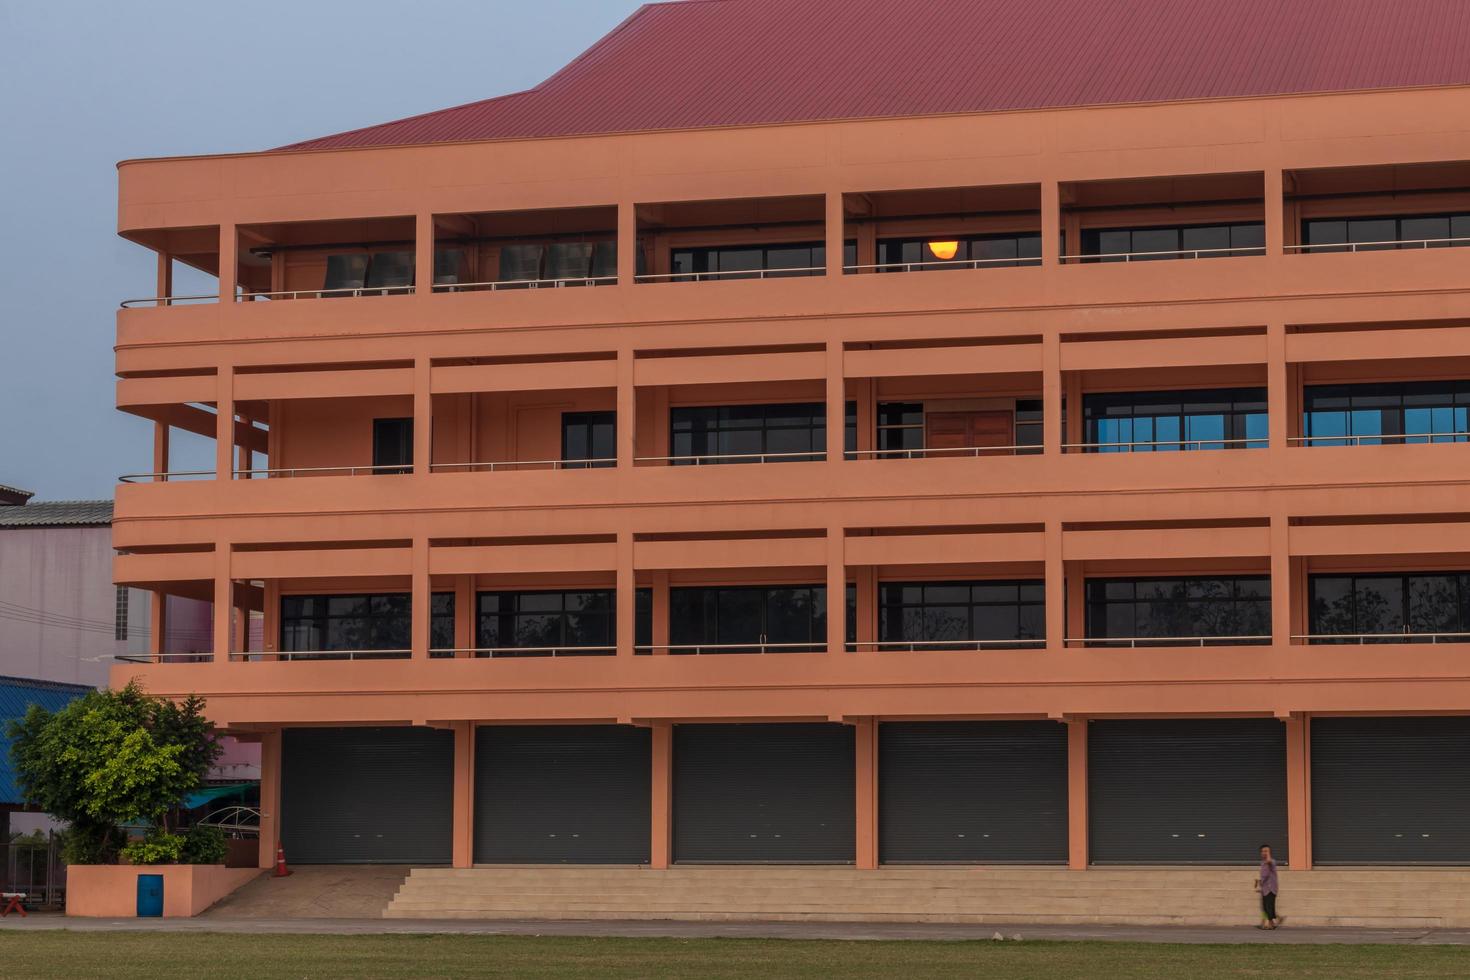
column 281, row 869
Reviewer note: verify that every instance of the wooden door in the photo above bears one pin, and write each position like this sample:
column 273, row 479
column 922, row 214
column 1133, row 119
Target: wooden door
column 969, row 430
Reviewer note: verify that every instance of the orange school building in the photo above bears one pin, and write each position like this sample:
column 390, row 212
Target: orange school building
column 1149, row 512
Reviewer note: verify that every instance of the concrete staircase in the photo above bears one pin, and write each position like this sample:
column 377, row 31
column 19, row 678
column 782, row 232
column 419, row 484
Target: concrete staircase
column 1385, row 898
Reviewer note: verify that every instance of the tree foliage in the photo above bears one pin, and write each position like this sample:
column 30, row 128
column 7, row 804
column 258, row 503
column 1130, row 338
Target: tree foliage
column 111, row 758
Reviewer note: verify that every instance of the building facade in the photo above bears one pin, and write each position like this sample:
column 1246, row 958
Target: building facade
column 1150, row 518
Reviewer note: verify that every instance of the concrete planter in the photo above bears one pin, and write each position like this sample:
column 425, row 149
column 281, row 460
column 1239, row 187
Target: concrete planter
column 110, row 891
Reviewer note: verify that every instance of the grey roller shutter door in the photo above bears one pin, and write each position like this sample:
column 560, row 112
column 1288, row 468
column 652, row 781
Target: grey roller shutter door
column 563, row 794
column 1186, row 791
column 964, row 791
column 765, row 794
column 1391, row 790
column 367, row 795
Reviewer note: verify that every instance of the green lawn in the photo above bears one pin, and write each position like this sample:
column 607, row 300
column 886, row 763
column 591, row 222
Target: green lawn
column 77, row 955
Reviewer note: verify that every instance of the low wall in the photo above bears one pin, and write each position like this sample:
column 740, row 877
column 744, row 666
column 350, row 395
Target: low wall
column 110, row 891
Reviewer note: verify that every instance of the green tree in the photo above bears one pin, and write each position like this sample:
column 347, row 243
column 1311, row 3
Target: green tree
column 111, row 758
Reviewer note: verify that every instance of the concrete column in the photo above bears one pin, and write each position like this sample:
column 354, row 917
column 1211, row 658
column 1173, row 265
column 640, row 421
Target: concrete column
column 165, row 283
column 1056, row 588
column 836, row 590
column 1051, row 394
column 229, row 244
column 463, row 852
column 1278, row 388
column 423, row 254
column 836, row 229
column 627, row 414
column 420, row 600
column 224, row 423
column 836, row 403
column 1275, row 202
column 627, row 242
column 224, row 602
column 1298, row 792
column 157, row 624
column 1077, row 837
column 660, row 853
column 1281, row 581
column 660, row 612
column 1051, row 222
column 270, row 798
column 1076, row 611
column 1073, row 430
column 270, row 626
column 867, row 793
column 423, row 418
column 466, row 616
column 627, row 585
column 160, row 450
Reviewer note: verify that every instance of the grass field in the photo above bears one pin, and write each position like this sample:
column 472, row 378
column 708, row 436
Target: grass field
column 79, row 955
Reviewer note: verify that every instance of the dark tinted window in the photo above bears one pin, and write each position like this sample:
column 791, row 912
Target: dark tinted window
column 544, row 623
column 393, row 445
column 1159, row 608
column 1385, row 232
column 1170, row 421
column 354, row 623
column 1386, row 413
column 589, row 436
column 747, row 619
column 971, row 252
column 787, row 432
column 390, row 270
column 1177, row 242
column 346, row 271
column 1390, row 603
column 753, row 261
column 929, row 612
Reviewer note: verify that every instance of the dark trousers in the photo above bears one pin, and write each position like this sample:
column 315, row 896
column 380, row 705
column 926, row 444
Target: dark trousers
column 1268, row 906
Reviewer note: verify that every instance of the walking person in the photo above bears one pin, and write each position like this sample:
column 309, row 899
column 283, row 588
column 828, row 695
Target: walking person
column 1268, row 886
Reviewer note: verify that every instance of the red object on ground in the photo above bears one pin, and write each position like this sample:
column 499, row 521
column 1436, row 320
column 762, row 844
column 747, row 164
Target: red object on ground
column 12, row 904
column 281, row 869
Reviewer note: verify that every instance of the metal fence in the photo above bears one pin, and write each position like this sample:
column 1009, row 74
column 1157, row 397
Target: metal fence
column 35, row 867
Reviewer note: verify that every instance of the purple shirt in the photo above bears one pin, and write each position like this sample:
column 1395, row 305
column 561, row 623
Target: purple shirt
column 1268, row 877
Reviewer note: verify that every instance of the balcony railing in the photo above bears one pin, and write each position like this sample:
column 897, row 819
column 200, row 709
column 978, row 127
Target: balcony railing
column 1409, row 243
column 911, row 646
column 129, row 304
column 1180, row 445
column 164, row 658
column 328, row 293
column 732, row 458
column 175, row 475
column 1362, row 639
column 707, row 649
column 488, row 653
column 502, row 284
column 960, row 451
column 942, row 264
column 258, row 657
column 793, row 273
column 1407, row 438
column 284, row 472
column 1165, row 641
column 521, row 464
column 1178, row 253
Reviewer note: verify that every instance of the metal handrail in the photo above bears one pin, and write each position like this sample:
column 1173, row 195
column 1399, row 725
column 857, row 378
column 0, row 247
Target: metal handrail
column 498, row 284
column 1178, row 253
column 1357, row 439
column 732, row 274
column 260, row 656
column 950, row 451
column 165, row 477
column 698, row 648
column 556, row 464
column 1133, row 641
column 911, row 645
column 1363, row 638
column 320, row 293
column 1356, row 246
column 1261, row 441
column 288, row 471
column 944, row 264
column 759, row 457
column 164, row 658
column 230, row 818
column 129, row 304
column 486, row 653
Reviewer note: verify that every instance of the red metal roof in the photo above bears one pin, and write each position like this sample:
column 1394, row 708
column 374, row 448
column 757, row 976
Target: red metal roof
column 703, row 63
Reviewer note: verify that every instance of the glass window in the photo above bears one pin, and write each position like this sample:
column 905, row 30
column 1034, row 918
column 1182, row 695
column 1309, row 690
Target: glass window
column 1172, row 421
column 391, row 271
column 346, row 271
column 778, row 433
column 520, row 263
column 569, row 260
column 1161, row 611
column 752, row 619
column 1386, row 413
column 449, row 266
column 748, row 261
column 971, row 252
column 590, row 437
column 927, row 614
column 393, row 445
column 546, row 623
column 1173, row 242
column 1361, row 607
column 375, row 625
column 1386, row 232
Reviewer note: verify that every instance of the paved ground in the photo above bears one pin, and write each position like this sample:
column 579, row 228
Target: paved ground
column 360, row 891
column 772, row 930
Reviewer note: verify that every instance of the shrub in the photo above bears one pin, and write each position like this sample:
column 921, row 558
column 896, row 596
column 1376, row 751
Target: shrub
column 205, row 845
column 159, row 847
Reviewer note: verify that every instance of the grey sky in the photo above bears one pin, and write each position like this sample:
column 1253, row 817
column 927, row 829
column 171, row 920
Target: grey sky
column 85, row 84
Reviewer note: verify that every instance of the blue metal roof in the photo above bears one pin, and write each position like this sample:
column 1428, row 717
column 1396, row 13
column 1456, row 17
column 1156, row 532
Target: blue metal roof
column 17, row 694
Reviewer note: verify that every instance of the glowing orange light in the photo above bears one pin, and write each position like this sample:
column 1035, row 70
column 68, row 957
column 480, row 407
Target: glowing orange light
column 944, row 250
